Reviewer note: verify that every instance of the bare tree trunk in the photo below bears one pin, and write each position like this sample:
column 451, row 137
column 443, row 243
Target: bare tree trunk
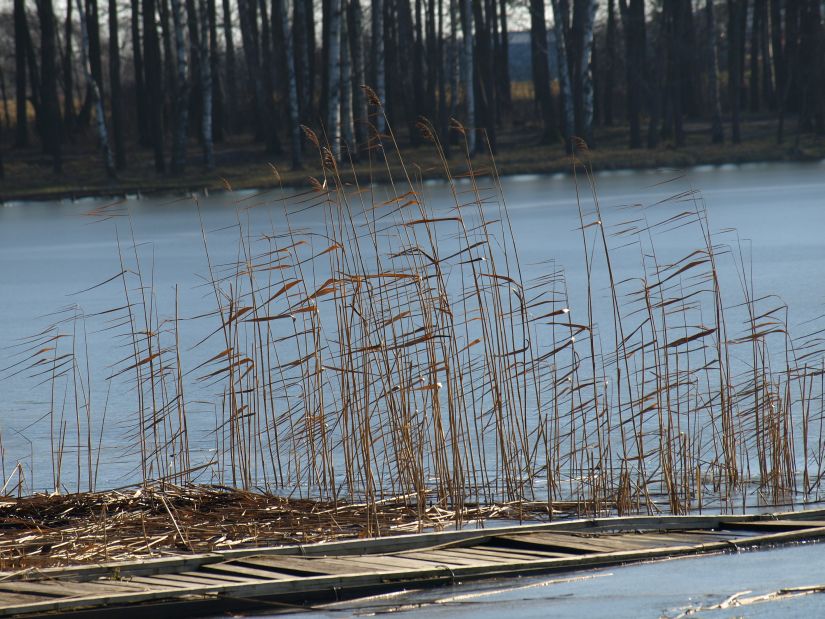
column 347, row 134
column 756, row 27
column 218, row 111
column 633, row 22
column 735, row 40
column 356, row 24
column 34, row 77
column 292, row 86
column 6, row 111
column 196, row 58
column 587, row 72
column 453, row 60
column 717, row 130
column 170, row 71
column 541, row 70
column 114, row 82
column 504, row 64
column 68, row 83
column 378, row 58
column 206, row 87
column 767, row 66
column 467, row 65
column 301, row 55
column 431, row 107
column 52, row 134
column 20, row 36
column 93, row 29
column 777, row 50
column 230, row 79
column 152, row 67
column 418, row 82
column 564, row 77
column 181, row 107
column 442, row 66
column 102, row 133
column 137, row 66
column 610, row 44
column 333, row 65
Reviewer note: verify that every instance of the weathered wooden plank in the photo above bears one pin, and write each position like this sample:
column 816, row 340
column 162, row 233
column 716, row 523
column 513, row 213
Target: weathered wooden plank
column 443, row 557
column 51, row 588
column 513, row 553
column 771, row 525
column 476, row 555
column 306, row 586
column 242, row 570
column 9, row 599
column 392, row 562
column 200, row 579
column 160, row 581
column 300, row 566
column 556, row 541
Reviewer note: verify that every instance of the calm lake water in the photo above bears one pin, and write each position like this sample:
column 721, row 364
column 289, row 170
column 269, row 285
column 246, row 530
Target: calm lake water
column 660, row 589
column 50, row 252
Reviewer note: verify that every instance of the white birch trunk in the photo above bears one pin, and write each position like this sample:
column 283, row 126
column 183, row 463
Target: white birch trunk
column 102, row 132
column 453, row 56
column 334, row 79
column 380, row 68
column 564, row 76
column 587, row 72
column 346, row 86
column 206, row 85
column 467, row 65
column 182, row 95
column 358, row 95
column 292, row 84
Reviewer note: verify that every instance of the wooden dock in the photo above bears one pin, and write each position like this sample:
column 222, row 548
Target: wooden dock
column 280, row 578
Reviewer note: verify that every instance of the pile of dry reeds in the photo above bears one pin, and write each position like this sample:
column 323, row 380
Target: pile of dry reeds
column 151, row 521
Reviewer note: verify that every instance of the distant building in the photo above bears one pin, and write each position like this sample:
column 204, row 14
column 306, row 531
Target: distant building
column 521, row 63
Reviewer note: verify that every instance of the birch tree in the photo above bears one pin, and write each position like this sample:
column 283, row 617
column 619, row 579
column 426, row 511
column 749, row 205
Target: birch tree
column 467, row 65
column 97, row 101
column 347, row 134
column 114, row 87
column 154, row 91
column 292, row 86
column 206, row 86
column 587, row 72
column 181, row 104
column 541, row 69
column 378, row 59
column 21, row 106
column 564, row 77
column 50, row 107
column 334, row 79
column 356, row 41
column 717, row 130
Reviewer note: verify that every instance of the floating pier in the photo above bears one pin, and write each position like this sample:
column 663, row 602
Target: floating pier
column 284, row 577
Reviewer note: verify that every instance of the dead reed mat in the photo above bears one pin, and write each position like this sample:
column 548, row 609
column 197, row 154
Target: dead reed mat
column 43, row 530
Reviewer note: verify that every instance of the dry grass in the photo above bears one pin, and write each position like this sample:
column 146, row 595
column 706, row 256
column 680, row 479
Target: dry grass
column 151, row 521
column 399, row 357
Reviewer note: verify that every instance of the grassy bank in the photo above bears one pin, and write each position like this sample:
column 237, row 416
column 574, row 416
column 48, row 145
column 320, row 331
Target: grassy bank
column 242, row 164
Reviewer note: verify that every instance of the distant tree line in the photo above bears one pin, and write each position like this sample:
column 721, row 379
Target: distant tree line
column 163, row 73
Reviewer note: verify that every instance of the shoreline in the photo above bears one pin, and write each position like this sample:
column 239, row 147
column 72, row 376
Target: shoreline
column 241, row 168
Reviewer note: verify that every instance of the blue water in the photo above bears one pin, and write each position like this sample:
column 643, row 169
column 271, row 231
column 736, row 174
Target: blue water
column 658, row 589
column 51, row 251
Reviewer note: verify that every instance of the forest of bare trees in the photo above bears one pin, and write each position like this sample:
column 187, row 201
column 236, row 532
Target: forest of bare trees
column 165, row 75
